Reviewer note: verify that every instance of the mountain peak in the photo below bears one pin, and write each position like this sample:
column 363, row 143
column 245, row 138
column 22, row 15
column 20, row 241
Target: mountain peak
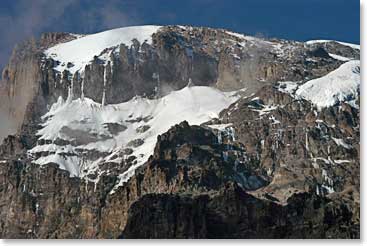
column 135, row 123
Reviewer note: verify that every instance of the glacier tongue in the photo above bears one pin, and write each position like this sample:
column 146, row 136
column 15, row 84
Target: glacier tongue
column 340, row 85
column 82, row 125
column 81, row 51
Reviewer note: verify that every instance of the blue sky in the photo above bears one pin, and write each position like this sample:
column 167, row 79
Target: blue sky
column 289, row 19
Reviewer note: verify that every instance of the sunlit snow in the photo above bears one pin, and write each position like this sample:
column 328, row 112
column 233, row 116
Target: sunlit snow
column 354, row 46
column 81, row 51
column 196, row 105
column 339, row 85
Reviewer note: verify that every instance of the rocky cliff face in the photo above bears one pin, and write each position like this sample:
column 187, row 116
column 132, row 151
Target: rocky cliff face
column 270, row 165
column 184, row 191
column 233, row 213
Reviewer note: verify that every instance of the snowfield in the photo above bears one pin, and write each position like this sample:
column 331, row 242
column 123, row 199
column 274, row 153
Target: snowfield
column 88, row 119
column 340, row 85
column 82, row 50
column 353, row 46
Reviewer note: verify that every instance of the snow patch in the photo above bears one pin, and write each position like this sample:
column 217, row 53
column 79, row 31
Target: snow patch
column 340, row 58
column 353, row 46
column 288, row 87
column 220, row 127
column 341, row 142
column 266, row 110
column 340, row 85
column 341, row 161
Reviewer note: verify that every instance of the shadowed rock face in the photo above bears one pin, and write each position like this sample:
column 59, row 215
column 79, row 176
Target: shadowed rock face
column 232, row 213
column 23, row 80
column 270, row 166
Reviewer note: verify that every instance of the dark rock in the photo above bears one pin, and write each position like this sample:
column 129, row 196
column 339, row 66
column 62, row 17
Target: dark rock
column 135, row 143
column 142, row 129
column 115, row 128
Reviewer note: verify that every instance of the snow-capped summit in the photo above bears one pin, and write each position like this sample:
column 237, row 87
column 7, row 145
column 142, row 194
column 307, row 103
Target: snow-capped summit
column 81, row 51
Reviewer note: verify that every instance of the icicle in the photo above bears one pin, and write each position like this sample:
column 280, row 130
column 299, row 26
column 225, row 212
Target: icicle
column 269, row 171
column 317, row 190
column 82, row 89
column 329, row 182
column 219, row 137
column 111, row 66
column 232, row 133
column 86, row 185
column 70, row 92
column 104, row 98
column 104, row 86
column 307, row 140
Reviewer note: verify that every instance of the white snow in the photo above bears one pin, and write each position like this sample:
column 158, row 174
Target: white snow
column 65, row 162
column 220, row 127
column 250, row 40
column 341, row 161
column 266, row 110
column 341, row 142
column 340, row 58
column 340, row 85
column 274, row 121
column 326, row 161
column 195, row 104
column 354, row 46
column 288, row 87
column 329, row 189
column 243, row 37
column 83, row 49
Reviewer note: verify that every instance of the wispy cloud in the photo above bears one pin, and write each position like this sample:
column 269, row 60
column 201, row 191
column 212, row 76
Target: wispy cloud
column 30, row 18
